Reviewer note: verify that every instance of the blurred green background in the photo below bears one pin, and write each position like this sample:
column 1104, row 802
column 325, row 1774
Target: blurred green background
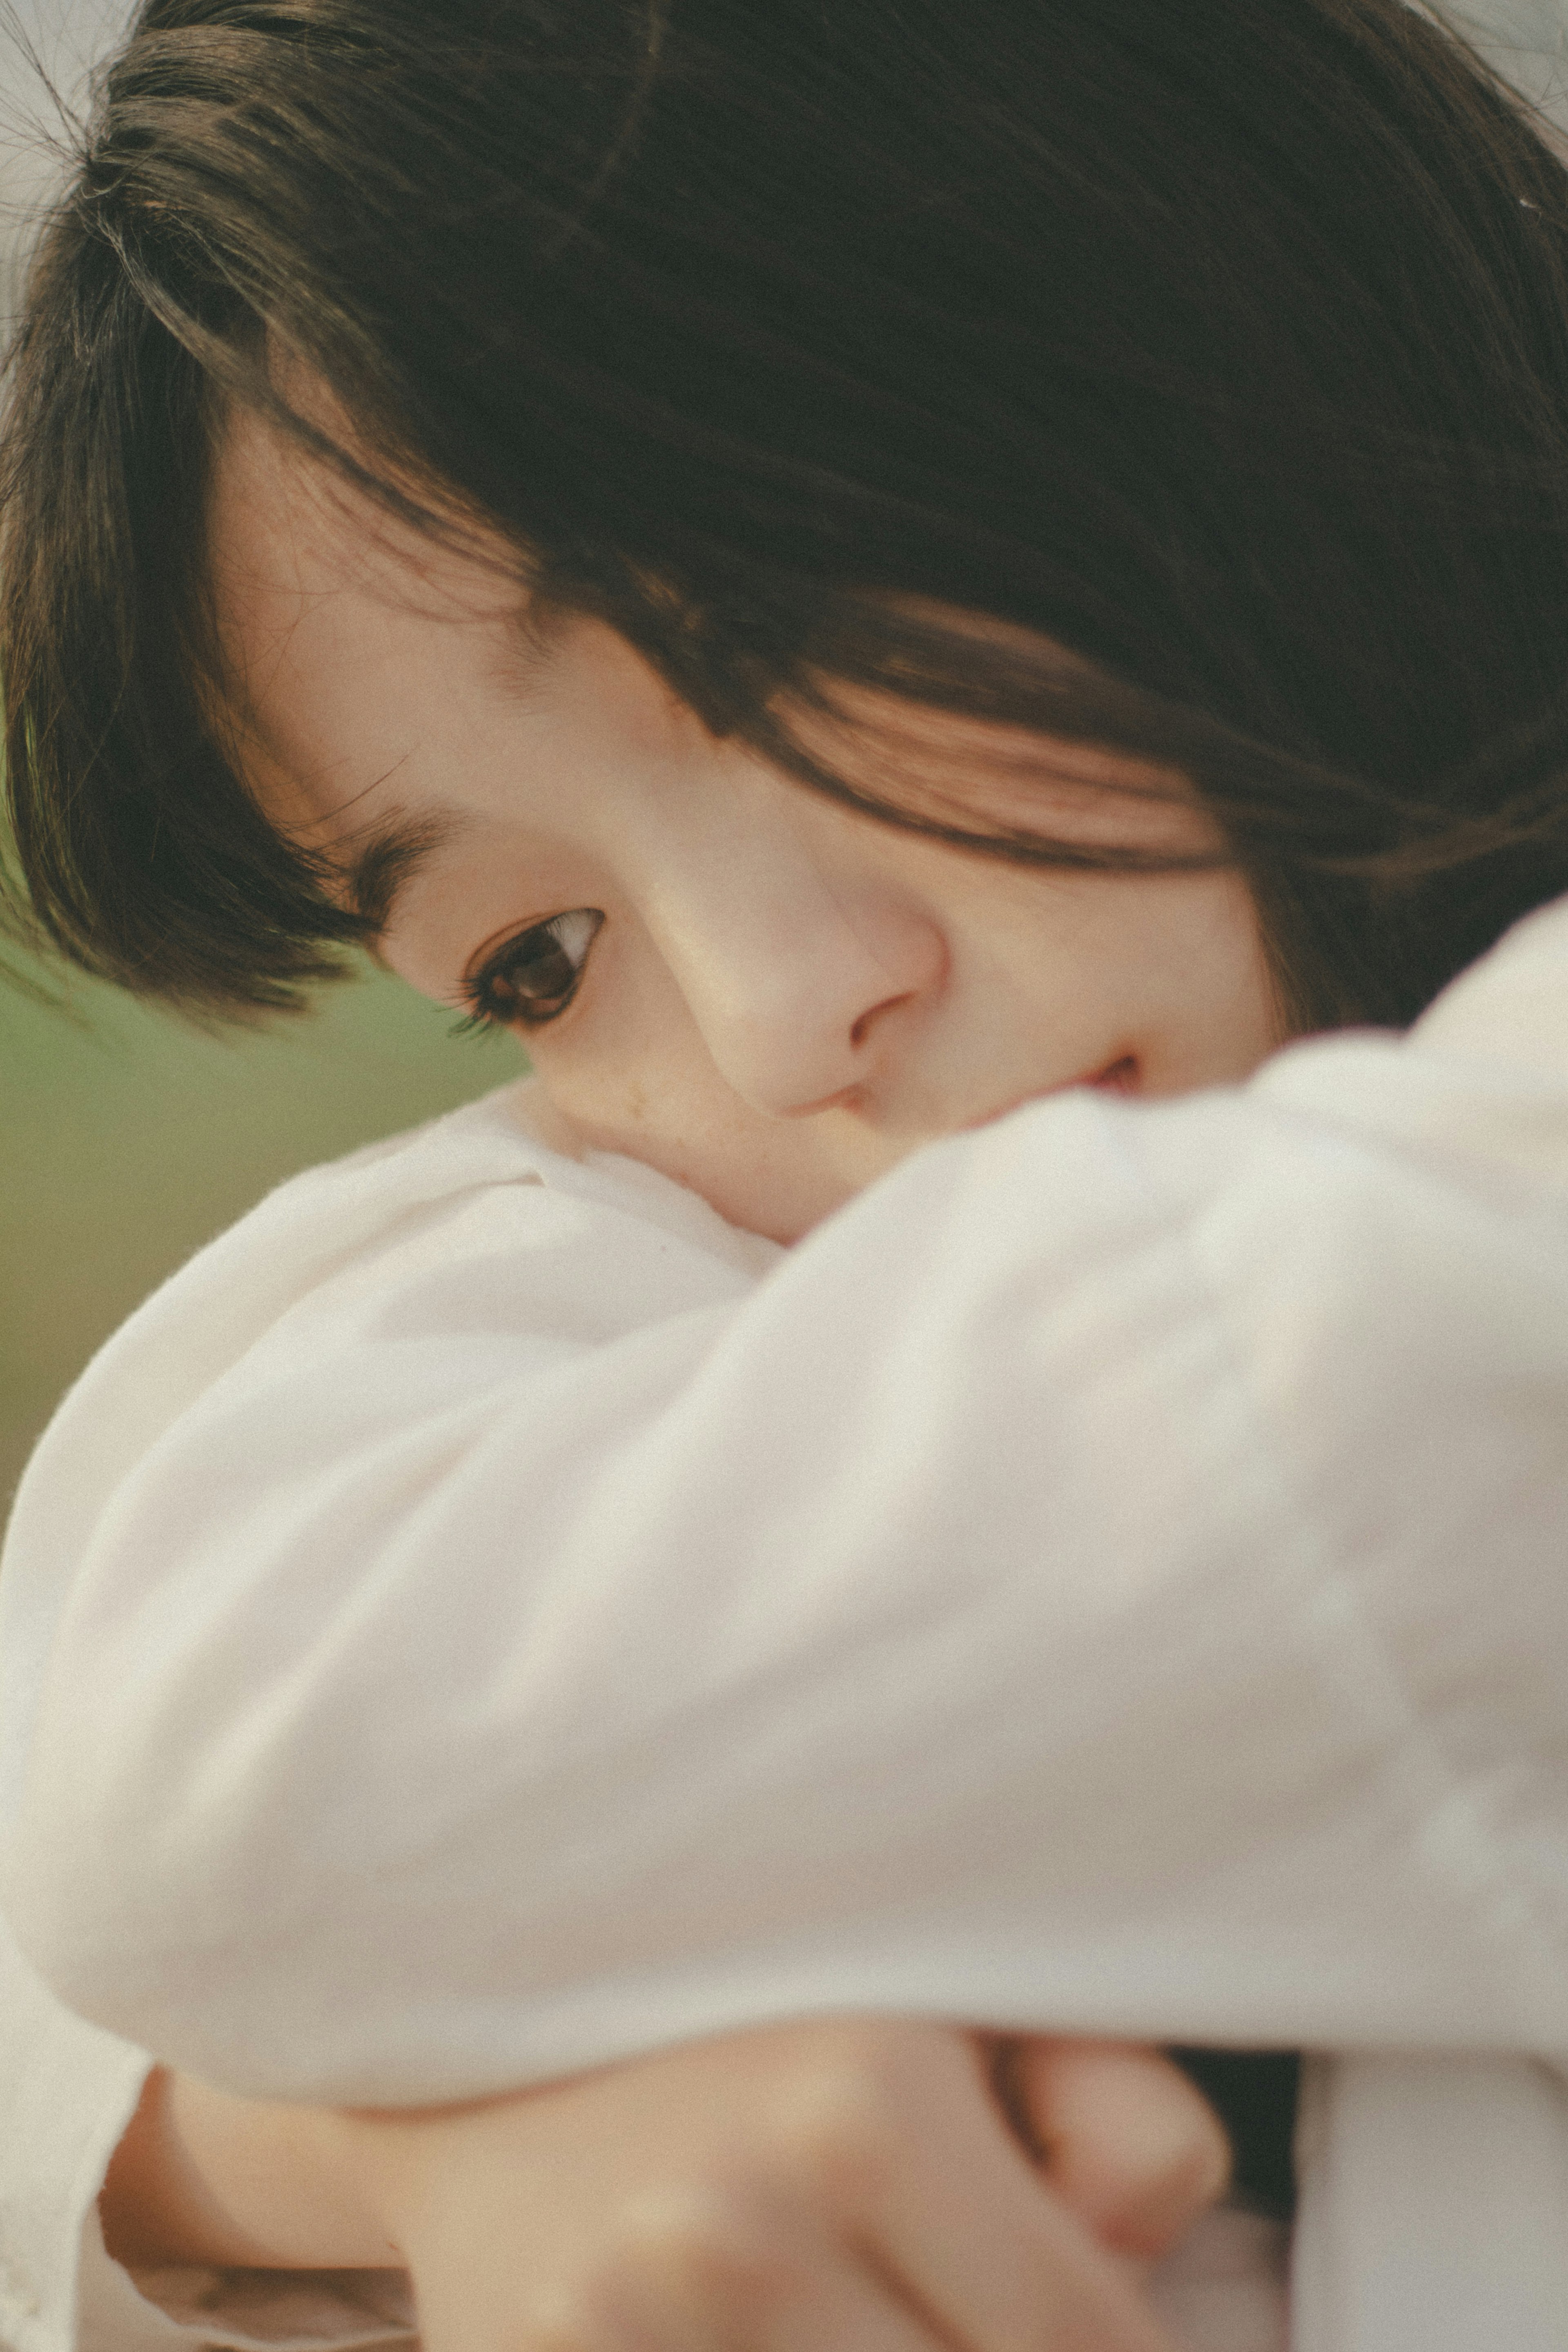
column 127, row 1138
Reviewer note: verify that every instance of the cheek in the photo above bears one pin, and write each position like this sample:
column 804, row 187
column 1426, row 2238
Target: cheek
column 632, row 1073
column 1204, row 974
column 627, row 1057
column 1169, row 968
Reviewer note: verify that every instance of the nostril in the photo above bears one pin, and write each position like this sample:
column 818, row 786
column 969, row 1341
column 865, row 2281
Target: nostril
column 847, row 1099
column 861, row 1030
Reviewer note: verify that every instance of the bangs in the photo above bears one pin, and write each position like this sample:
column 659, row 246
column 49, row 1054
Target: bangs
column 1175, row 389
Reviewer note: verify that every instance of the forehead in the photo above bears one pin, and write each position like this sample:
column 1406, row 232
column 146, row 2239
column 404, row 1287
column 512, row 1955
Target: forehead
column 285, row 527
column 343, row 630
column 374, row 672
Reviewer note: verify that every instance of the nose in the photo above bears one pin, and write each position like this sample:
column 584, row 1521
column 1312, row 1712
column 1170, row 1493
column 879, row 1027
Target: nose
column 791, row 960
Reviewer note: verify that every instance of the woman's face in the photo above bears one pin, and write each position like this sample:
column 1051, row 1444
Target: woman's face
column 765, row 994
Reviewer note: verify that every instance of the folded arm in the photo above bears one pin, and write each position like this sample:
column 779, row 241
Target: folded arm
column 1108, row 1578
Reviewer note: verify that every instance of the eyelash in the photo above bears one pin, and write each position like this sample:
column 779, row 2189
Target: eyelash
column 495, row 998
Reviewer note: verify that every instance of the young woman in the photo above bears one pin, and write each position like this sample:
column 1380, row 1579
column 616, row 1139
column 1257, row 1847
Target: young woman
column 848, row 577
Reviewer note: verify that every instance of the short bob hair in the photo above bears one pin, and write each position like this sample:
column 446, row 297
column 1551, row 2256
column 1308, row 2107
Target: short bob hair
column 1220, row 345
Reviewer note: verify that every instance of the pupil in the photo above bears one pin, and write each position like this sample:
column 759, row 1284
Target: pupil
column 538, row 968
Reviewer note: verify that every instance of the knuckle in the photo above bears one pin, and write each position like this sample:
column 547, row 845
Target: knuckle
column 697, row 2256
column 558, row 2318
column 841, row 2136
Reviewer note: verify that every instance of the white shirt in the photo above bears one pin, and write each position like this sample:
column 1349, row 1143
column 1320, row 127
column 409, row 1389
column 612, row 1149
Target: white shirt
column 67, row 2092
column 66, row 2088
column 485, row 1616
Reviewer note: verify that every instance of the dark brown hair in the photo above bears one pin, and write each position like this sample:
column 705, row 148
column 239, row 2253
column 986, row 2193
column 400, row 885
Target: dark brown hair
column 1221, row 344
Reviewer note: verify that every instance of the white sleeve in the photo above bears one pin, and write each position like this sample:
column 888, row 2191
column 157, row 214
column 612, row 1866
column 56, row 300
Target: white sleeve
column 67, row 2092
column 1110, row 1577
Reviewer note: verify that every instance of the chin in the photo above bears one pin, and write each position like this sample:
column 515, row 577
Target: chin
column 781, row 1203
column 778, row 1214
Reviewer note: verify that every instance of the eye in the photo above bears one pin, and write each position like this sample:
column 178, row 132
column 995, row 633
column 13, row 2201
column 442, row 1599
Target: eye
column 533, row 977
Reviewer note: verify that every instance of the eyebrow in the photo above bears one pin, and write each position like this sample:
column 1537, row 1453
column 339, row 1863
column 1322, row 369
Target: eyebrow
column 382, row 868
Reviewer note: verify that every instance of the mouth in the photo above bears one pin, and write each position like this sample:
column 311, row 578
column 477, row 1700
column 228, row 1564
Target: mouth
column 1122, row 1076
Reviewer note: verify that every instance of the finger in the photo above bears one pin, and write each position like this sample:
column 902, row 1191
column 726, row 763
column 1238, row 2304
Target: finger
column 701, row 2273
column 966, row 2231
column 1021, row 2273
column 1130, row 2144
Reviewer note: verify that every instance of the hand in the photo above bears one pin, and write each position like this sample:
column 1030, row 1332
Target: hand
column 844, row 2187
column 1122, row 2135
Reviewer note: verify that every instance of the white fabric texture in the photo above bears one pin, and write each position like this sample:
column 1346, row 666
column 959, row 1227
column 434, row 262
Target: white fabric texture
column 485, row 1616
column 67, row 2092
column 1060, row 1570
column 1435, row 2201
column 1434, row 2188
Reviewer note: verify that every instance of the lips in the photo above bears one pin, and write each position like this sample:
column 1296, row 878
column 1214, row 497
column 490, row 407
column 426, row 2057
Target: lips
column 1118, row 1077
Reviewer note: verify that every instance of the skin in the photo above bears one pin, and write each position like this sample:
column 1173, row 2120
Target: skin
column 838, row 2187
column 785, row 998
column 779, row 999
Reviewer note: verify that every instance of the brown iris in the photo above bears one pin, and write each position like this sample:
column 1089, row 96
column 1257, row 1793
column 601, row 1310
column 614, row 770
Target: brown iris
column 535, row 975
